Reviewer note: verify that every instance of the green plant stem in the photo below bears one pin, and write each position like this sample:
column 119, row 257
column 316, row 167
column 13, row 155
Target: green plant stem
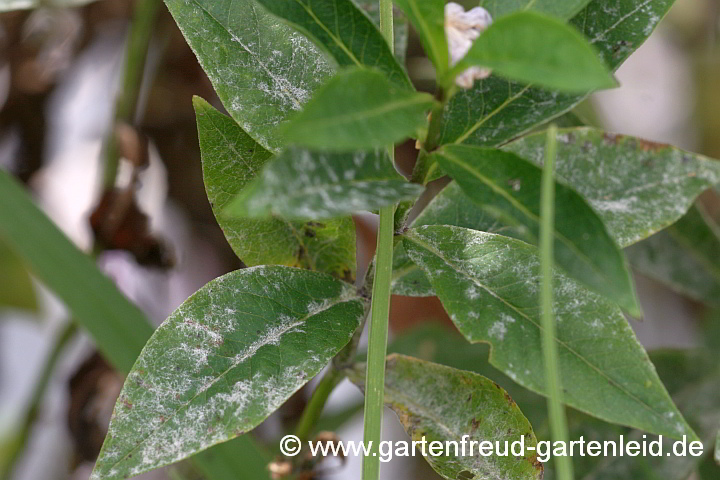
column 377, row 343
column 141, row 31
column 556, row 411
column 34, row 403
column 379, row 308
column 314, row 408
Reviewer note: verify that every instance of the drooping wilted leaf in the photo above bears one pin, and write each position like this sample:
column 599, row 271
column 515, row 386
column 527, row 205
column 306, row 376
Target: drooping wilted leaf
column 508, row 187
column 359, row 109
column 428, row 18
column 496, row 110
column 231, row 159
column 536, row 49
column 262, row 70
column 344, row 31
column 223, row 361
column 439, row 403
column 684, row 257
column 304, row 185
column 564, row 9
column 489, row 286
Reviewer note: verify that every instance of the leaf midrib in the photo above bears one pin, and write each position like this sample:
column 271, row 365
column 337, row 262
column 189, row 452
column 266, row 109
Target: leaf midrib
column 414, row 238
column 342, row 298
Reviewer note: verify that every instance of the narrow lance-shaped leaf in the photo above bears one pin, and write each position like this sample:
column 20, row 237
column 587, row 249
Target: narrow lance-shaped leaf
column 508, row 187
column 16, row 287
column 262, row 70
column 223, row 362
column 231, row 160
column 117, row 326
column 441, row 404
column 359, row 109
column 489, row 286
column 684, row 257
column 533, row 48
column 496, row 110
column 344, row 31
column 306, row 185
column 428, row 18
column 564, row 9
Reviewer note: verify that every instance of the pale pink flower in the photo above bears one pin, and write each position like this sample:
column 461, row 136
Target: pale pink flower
column 461, row 30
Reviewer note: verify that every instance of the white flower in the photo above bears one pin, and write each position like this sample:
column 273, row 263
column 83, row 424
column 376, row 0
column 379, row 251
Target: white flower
column 461, row 29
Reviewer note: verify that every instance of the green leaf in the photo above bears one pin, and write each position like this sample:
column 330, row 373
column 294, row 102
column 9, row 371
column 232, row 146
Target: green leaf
column 489, row 287
column 717, row 449
column 16, row 288
column 508, row 187
column 683, row 257
column 400, row 24
column 231, row 159
column 263, row 70
column 305, row 185
column 496, row 110
column 637, row 187
column 118, row 327
column 224, row 461
column 564, row 9
column 359, row 109
column 344, row 31
column 428, row 18
column 438, row 403
column 533, row 48
column 227, row 358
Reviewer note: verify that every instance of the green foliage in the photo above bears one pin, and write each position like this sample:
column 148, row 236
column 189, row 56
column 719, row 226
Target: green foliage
column 344, row 31
column 533, row 48
column 489, row 286
column 261, row 84
column 495, row 110
column 119, row 328
column 224, row 361
column 427, row 16
column 231, row 159
column 16, row 288
column 305, row 185
column 359, row 109
column 564, row 9
column 420, row 393
column 508, row 187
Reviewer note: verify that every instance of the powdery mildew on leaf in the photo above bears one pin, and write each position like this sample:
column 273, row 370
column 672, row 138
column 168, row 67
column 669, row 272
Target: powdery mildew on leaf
column 496, row 110
column 262, row 70
column 637, row 187
column 443, row 404
column 301, row 184
column 342, row 29
column 486, row 281
column 223, row 361
column 231, row 159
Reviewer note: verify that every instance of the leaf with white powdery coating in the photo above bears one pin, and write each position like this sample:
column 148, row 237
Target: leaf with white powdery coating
column 231, row 160
column 564, row 9
column 263, row 70
column 496, row 110
column 227, row 358
column 359, row 109
column 441, row 404
column 508, row 187
column 534, row 48
column 304, row 185
column 344, row 31
column 488, row 284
